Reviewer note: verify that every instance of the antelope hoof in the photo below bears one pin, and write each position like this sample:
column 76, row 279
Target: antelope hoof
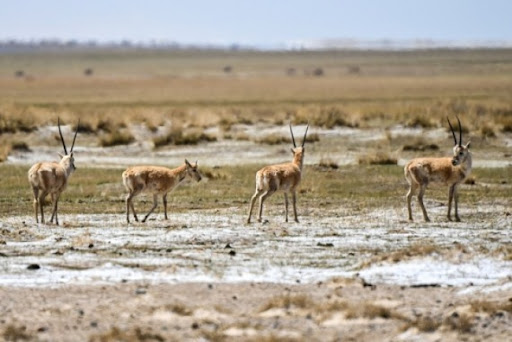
column 449, row 218
column 457, row 219
column 427, row 219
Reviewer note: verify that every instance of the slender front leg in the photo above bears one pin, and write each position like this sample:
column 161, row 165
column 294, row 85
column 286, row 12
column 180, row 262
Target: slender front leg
column 294, row 202
column 155, row 203
column 450, row 199
column 456, row 198
column 164, row 199
column 420, row 200
column 286, row 205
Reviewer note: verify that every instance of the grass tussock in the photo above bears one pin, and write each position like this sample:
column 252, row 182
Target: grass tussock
column 178, row 137
column 116, row 334
column 425, row 324
column 492, row 307
column 274, row 139
column 116, row 138
column 377, row 158
column 16, row 333
column 288, row 301
column 328, row 163
column 463, row 323
column 371, row 311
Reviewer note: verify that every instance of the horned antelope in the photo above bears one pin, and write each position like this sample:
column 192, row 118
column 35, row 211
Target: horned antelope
column 452, row 171
column 52, row 178
column 156, row 180
column 285, row 177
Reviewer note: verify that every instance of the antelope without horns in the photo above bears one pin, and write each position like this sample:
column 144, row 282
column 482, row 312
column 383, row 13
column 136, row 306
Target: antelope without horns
column 452, row 171
column 156, row 180
column 285, row 177
column 52, row 178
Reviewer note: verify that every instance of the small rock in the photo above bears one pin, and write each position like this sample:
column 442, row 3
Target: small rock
column 33, row 267
column 232, row 253
column 195, row 325
column 140, row 290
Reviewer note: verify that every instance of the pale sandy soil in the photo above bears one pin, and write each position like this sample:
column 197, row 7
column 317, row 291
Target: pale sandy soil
column 335, row 310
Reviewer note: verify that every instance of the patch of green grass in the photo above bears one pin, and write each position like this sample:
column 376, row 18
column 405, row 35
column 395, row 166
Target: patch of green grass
column 361, row 188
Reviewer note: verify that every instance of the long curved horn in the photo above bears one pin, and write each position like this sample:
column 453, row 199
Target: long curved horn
column 460, row 132
column 453, row 133
column 293, row 138
column 74, row 138
column 61, row 137
column 304, row 139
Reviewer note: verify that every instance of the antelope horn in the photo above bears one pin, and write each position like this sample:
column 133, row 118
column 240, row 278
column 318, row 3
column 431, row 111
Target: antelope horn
column 293, row 138
column 74, row 138
column 451, row 128
column 305, row 133
column 61, row 137
column 460, row 132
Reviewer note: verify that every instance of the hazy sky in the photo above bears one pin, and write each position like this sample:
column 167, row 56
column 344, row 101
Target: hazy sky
column 258, row 22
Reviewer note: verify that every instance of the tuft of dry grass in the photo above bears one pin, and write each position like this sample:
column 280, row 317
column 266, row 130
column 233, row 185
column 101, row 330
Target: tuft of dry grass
column 116, row 334
column 288, row 301
column 491, row 307
column 328, row 164
column 16, row 333
column 371, row 311
column 274, row 139
column 117, row 138
column 177, row 137
column 424, row 324
column 377, row 158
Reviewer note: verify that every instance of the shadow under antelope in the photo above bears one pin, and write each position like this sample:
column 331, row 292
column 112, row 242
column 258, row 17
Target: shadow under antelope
column 157, row 180
column 52, row 178
column 285, row 177
column 452, row 171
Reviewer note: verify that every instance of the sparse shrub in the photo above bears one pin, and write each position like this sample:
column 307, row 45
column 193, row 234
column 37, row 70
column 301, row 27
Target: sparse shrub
column 318, row 72
column 420, row 147
column 88, row 72
column 16, row 333
column 328, row 164
column 420, row 121
column 177, row 137
column 291, row 71
column 19, row 73
column 105, row 125
column 20, row 146
column 379, row 158
column 425, row 324
column 227, row 69
column 331, row 117
column 84, row 127
column 116, row 138
column 287, row 301
column 13, row 125
column 312, row 138
column 460, row 322
column 274, row 139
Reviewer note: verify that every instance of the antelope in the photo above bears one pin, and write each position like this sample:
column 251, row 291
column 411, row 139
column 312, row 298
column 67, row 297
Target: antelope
column 156, row 180
column 285, row 177
column 452, row 171
column 52, row 178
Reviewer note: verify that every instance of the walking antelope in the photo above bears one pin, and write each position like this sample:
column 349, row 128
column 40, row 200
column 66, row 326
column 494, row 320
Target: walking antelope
column 450, row 171
column 52, row 178
column 284, row 177
column 156, row 180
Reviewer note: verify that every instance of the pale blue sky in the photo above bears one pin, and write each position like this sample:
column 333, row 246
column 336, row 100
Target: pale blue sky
column 258, row 23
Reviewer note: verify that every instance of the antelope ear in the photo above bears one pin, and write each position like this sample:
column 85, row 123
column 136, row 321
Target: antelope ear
column 467, row 145
column 291, row 149
column 186, row 162
column 60, row 155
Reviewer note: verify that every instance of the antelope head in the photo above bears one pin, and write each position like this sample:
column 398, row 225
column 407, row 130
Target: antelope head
column 298, row 152
column 460, row 152
column 68, row 159
column 192, row 171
